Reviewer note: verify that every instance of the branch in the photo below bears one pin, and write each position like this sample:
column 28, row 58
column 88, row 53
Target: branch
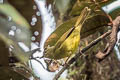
column 72, row 60
column 38, row 62
column 112, row 41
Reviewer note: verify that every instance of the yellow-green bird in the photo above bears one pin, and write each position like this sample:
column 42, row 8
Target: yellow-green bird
column 69, row 41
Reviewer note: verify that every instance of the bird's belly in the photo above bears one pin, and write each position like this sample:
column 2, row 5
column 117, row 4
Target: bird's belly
column 70, row 46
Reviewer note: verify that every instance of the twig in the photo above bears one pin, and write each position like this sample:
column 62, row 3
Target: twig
column 38, row 62
column 72, row 60
column 112, row 41
column 35, row 58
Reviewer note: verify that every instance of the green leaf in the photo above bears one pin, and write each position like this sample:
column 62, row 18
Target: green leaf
column 21, row 34
column 78, row 7
column 62, row 5
column 10, row 11
column 28, row 9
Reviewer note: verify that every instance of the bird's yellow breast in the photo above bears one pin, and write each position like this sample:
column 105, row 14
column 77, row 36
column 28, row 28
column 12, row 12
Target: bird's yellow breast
column 69, row 46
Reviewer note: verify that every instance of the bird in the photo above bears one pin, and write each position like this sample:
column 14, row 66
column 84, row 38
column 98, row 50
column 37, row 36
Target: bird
column 69, row 41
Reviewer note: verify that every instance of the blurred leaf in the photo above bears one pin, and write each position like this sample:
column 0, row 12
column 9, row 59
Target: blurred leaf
column 20, row 34
column 22, row 71
column 29, row 10
column 91, row 25
column 14, row 15
column 8, row 74
column 62, row 5
column 4, row 54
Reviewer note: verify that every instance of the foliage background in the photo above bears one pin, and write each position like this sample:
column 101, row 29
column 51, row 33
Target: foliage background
column 86, row 68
